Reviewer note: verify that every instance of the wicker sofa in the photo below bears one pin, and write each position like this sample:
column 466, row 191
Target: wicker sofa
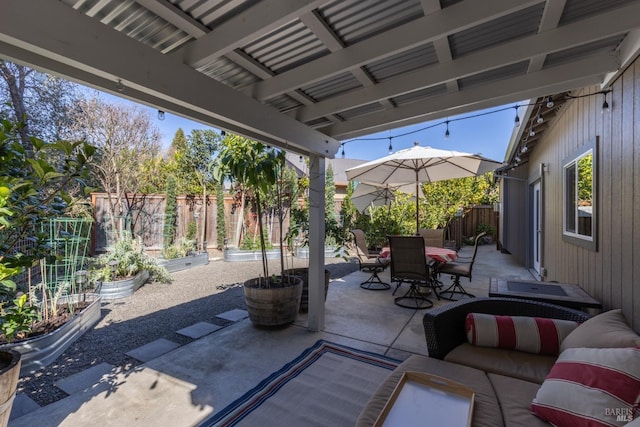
column 504, row 381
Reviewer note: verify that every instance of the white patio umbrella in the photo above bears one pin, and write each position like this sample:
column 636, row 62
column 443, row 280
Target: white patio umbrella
column 366, row 194
column 421, row 164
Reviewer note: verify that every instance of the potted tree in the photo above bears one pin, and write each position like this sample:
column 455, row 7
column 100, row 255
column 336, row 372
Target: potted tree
column 272, row 300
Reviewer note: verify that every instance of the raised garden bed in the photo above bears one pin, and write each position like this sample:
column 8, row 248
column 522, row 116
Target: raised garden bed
column 42, row 350
column 183, row 263
column 329, row 252
column 234, row 255
column 121, row 288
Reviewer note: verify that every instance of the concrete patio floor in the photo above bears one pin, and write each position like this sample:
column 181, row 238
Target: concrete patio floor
column 186, row 385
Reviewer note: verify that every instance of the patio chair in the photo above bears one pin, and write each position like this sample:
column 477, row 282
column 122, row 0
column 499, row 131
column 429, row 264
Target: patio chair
column 409, row 265
column 370, row 262
column 458, row 269
column 432, row 237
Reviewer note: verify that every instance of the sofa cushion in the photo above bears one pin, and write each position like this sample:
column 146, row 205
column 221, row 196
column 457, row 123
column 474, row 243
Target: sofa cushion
column 606, row 330
column 591, row 385
column 538, row 335
column 486, row 411
column 512, row 363
column 515, row 398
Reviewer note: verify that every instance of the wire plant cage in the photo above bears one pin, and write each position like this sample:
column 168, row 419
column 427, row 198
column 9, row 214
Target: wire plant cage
column 69, row 239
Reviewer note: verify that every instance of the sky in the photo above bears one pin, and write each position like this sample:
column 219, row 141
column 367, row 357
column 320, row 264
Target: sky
column 487, row 134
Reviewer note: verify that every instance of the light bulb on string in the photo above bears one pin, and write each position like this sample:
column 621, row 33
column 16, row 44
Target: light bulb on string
column 160, row 115
column 390, row 146
column 343, row 151
column 516, row 121
column 549, row 102
column 524, row 149
column 539, row 120
column 447, row 134
column 532, row 133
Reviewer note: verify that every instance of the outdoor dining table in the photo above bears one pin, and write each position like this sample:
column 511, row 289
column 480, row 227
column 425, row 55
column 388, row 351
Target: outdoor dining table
column 435, row 253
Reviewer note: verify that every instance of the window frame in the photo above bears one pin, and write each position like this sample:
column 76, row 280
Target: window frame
column 574, row 237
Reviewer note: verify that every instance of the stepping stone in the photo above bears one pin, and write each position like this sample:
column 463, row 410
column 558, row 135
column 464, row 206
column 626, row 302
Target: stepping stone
column 198, row 330
column 152, row 350
column 84, row 379
column 234, row 315
column 22, row 405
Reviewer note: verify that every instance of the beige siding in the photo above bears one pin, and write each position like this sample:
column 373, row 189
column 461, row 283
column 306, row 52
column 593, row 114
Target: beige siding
column 612, row 273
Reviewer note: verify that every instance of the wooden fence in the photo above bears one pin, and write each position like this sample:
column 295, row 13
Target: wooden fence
column 467, row 225
column 147, row 216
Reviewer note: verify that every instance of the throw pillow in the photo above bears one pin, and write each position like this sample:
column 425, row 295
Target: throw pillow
column 591, row 386
column 606, row 330
column 537, row 335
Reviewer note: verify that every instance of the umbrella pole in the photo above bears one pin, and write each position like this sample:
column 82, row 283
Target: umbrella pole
column 417, row 206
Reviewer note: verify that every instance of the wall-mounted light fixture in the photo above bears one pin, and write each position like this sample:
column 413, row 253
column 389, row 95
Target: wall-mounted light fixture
column 605, row 104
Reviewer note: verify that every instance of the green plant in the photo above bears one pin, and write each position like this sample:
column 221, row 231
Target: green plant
column 256, row 168
column 170, row 212
column 17, row 319
column 126, row 258
column 220, row 219
column 192, row 230
column 34, row 187
column 181, row 248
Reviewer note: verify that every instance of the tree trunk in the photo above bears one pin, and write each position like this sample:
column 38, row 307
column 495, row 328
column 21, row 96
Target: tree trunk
column 240, row 221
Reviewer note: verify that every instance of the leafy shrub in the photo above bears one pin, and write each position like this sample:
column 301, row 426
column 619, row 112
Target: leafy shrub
column 128, row 259
column 181, row 248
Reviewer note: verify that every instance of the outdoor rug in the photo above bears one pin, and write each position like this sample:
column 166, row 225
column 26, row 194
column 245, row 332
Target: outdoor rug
column 327, row 385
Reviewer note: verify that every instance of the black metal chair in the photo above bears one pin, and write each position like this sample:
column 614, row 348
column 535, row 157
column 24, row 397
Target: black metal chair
column 369, row 262
column 409, row 265
column 458, row 270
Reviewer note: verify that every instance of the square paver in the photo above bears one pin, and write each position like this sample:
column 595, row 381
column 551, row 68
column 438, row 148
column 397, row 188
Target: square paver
column 84, row 379
column 152, row 350
column 22, row 405
column 198, row 330
column 234, row 315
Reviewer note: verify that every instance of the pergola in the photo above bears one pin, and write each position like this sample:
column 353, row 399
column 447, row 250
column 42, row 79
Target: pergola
column 305, row 74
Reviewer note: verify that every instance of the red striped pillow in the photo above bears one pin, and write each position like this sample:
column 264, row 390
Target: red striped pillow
column 538, row 335
column 591, row 387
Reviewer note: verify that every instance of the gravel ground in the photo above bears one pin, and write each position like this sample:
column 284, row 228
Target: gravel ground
column 156, row 311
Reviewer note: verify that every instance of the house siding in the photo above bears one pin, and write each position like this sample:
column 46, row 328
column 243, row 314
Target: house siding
column 611, row 273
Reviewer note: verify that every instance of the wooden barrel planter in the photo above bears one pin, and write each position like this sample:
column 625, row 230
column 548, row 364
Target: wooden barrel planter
column 303, row 273
column 275, row 306
column 9, row 373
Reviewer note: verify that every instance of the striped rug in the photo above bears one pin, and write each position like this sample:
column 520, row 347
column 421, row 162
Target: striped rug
column 327, row 385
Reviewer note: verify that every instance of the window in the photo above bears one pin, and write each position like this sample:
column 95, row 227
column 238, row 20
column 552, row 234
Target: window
column 579, row 197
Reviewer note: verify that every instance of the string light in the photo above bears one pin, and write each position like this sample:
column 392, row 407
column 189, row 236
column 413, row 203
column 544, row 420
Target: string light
column 549, row 102
column 160, row 115
column 524, row 149
column 119, row 85
column 223, row 133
